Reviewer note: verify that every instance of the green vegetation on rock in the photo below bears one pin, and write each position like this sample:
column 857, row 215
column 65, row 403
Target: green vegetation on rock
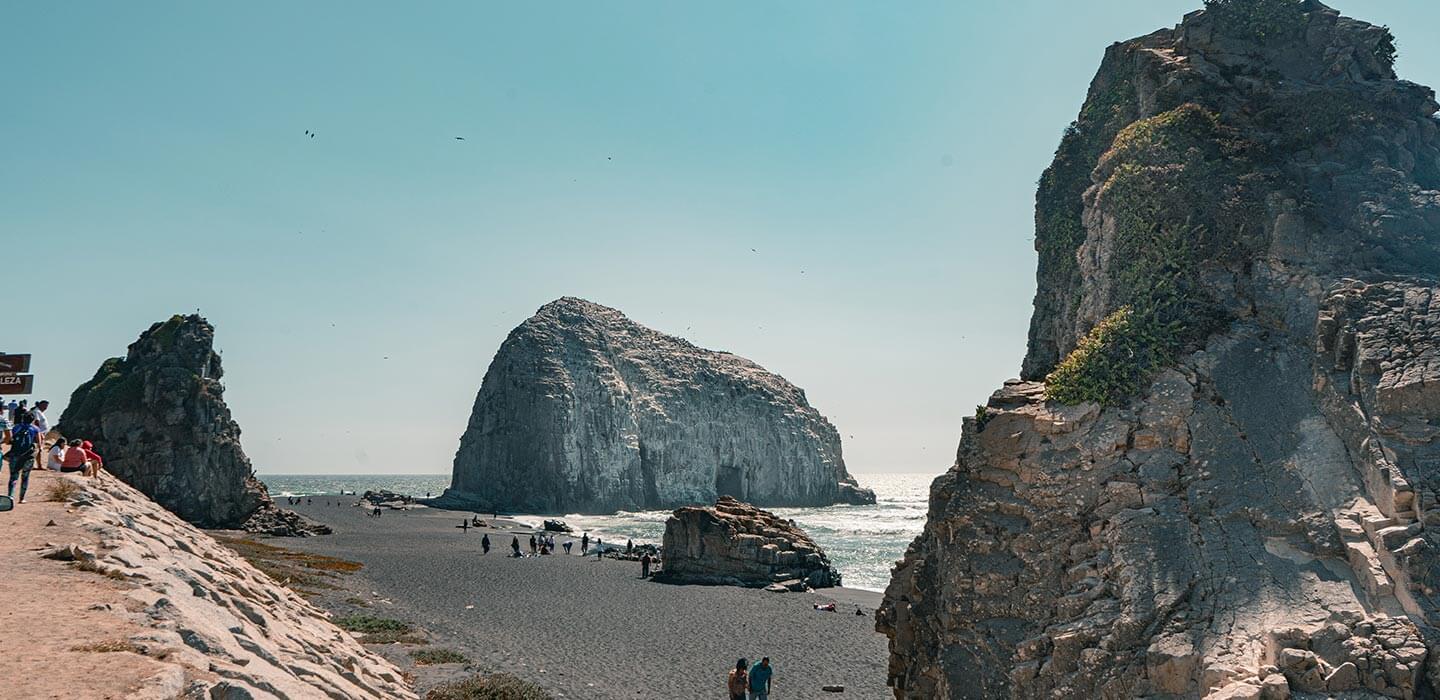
column 1182, row 192
column 1258, row 20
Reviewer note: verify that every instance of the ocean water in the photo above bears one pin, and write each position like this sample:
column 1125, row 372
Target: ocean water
column 862, row 541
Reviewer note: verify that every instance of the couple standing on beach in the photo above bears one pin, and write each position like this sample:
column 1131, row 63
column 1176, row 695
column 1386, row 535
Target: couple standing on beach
column 755, row 680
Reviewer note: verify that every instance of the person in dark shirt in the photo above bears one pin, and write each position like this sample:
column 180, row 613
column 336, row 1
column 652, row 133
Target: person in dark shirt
column 25, row 447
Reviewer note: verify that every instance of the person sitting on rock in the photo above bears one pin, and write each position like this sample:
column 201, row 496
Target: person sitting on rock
column 57, row 455
column 92, row 459
column 74, row 460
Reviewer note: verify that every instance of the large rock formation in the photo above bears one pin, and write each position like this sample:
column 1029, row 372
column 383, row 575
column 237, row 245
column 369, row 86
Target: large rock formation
column 584, row 410
column 1216, row 478
column 159, row 419
column 736, row 544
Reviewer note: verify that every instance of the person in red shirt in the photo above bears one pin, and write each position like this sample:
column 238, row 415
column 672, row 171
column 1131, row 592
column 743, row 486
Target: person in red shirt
column 75, row 460
column 92, row 459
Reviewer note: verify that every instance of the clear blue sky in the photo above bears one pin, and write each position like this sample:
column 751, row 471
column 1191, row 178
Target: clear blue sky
column 881, row 159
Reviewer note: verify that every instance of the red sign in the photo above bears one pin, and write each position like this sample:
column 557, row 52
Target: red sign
column 16, row 384
column 10, row 364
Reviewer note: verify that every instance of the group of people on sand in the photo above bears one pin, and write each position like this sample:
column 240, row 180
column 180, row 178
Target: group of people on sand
column 747, row 682
column 24, row 433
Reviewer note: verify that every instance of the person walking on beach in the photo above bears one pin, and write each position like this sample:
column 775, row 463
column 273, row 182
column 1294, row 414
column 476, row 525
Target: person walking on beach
column 738, row 680
column 515, row 545
column 532, row 544
column 645, row 565
column 24, row 452
column 485, row 544
column 760, row 679
column 584, row 544
column 599, row 549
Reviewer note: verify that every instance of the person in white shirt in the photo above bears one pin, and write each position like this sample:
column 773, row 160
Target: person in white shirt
column 57, row 456
column 37, row 418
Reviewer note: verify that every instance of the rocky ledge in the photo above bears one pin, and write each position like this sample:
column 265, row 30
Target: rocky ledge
column 736, row 544
column 158, row 416
column 222, row 628
column 584, row 410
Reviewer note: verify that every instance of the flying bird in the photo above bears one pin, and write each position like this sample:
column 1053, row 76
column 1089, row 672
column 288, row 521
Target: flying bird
column 459, row 138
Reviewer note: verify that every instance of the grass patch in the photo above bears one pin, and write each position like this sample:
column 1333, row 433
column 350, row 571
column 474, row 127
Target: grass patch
column 426, row 657
column 357, row 601
column 304, row 573
column 371, row 623
column 497, row 686
column 63, row 490
column 109, row 646
column 393, row 638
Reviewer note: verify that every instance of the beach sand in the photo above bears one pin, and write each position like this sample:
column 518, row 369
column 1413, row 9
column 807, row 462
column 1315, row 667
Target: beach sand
column 587, row 628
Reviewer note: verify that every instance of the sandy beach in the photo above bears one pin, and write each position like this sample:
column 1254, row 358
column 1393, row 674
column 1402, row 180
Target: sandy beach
column 587, row 628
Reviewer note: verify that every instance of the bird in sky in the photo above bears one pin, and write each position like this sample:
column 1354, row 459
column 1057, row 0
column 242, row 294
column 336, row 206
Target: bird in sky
column 753, row 250
column 459, row 138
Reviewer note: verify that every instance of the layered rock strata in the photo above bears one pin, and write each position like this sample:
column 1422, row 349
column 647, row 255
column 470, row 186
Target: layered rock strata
column 158, row 417
column 1239, row 245
column 222, row 628
column 584, row 410
column 737, row 544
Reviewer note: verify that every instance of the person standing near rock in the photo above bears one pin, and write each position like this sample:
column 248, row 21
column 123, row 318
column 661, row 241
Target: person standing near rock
column 737, row 682
column 760, row 679
column 24, row 452
column 645, row 565
column 37, row 417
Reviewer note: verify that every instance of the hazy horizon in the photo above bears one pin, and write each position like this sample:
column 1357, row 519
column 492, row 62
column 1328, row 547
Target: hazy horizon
column 880, row 164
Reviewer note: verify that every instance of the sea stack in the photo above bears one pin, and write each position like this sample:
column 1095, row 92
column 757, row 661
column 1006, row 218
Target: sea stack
column 736, row 544
column 158, row 417
column 584, row 410
column 1216, row 475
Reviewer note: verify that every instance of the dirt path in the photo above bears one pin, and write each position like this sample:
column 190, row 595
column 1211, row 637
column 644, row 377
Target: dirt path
column 53, row 616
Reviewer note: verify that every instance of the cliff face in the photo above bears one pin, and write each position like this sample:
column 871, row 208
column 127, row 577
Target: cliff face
column 584, row 410
column 1214, row 475
column 158, row 417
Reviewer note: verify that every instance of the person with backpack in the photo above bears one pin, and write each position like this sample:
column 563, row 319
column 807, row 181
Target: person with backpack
column 24, row 452
column 738, row 680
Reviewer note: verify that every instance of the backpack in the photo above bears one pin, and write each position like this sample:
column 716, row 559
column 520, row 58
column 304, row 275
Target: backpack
column 22, row 442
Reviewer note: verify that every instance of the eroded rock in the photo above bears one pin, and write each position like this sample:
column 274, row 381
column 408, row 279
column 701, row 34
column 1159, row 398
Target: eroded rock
column 734, row 543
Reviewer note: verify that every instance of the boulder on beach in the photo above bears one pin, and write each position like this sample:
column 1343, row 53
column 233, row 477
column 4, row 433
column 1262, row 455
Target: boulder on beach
column 158, row 417
column 737, row 544
column 552, row 525
column 584, row 410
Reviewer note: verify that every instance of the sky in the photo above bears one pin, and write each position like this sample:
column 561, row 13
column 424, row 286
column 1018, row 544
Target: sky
column 881, row 162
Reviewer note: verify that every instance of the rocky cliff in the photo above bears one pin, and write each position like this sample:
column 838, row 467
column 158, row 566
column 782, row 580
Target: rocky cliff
column 1215, row 477
column 584, row 410
column 158, row 417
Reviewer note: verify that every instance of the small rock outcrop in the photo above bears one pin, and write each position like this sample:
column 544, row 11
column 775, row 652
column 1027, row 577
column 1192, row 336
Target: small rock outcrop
column 222, row 628
column 736, row 544
column 158, row 417
column 1216, row 475
column 584, row 410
